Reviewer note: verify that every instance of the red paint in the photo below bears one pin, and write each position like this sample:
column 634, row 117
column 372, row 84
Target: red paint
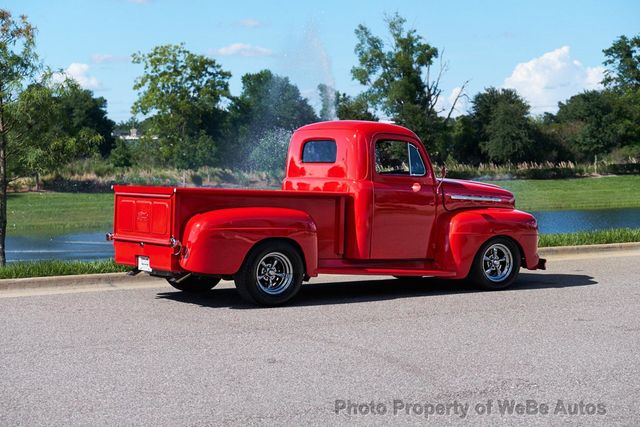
column 343, row 216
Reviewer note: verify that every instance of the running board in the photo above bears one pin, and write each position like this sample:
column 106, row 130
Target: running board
column 385, row 271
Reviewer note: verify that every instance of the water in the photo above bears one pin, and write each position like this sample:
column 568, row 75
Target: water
column 92, row 246
column 587, row 220
column 74, row 246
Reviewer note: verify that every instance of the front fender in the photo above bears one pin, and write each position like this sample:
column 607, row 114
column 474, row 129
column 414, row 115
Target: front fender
column 462, row 233
column 217, row 242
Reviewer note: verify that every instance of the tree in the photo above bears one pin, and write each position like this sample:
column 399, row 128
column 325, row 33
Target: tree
column 267, row 101
column 184, row 92
column 353, row 108
column 43, row 140
column 509, row 134
column 596, row 122
column 336, row 105
column 18, row 63
column 502, row 127
column 623, row 64
column 399, row 79
column 83, row 111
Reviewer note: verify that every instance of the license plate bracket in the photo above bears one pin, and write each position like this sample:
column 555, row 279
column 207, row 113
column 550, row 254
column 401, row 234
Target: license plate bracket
column 143, row 264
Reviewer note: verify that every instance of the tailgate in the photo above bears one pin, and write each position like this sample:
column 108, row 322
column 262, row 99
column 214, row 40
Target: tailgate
column 143, row 227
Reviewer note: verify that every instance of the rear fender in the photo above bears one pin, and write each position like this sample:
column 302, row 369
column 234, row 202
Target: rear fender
column 217, row 242
column 462, row 233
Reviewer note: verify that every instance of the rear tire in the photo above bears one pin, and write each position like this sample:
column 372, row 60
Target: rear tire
column 496, row 265
column 194, row 284
column 271, row 274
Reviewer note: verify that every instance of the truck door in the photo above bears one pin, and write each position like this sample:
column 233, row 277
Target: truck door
column 404, row 200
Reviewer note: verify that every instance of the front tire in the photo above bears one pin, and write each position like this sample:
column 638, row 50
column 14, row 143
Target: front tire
column 194, row 284
column 496, row 265
column 271, row 275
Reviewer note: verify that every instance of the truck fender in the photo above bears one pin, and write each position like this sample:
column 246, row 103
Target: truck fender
column 217, row 242
column 461, row 233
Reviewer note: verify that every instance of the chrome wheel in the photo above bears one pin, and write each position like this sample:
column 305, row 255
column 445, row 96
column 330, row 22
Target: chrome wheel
column 274, row 273
column 497, row 262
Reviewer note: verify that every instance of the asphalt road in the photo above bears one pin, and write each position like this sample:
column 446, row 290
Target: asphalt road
column 157, row 357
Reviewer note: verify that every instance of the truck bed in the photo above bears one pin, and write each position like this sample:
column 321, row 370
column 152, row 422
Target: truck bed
column 150, row 220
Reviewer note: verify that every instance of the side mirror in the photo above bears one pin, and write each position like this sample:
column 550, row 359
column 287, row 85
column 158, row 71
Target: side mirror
column 443, row 171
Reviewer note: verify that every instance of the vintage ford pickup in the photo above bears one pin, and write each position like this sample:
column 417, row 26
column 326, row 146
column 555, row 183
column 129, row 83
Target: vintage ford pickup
column 358, row 198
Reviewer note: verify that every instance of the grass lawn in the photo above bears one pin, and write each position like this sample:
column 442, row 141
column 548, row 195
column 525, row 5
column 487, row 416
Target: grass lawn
column 19, row 270
column 66, row 212
column 579, row 193
column 617, row 235
column 58, row 212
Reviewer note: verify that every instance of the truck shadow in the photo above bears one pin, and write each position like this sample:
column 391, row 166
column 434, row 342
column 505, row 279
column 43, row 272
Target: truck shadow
column 351, row 292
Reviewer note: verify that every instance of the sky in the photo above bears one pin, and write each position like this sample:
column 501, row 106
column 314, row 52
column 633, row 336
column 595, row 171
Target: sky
column 547, row 50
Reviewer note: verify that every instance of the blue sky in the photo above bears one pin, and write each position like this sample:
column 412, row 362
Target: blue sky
column 548, row 50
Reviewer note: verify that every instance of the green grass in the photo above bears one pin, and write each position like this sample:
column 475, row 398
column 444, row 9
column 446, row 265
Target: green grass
column 59, row 212
column 578, row 193
column 616, row 235
column 17, row 270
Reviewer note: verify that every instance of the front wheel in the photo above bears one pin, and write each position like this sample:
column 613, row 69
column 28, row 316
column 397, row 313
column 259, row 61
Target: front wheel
column 496, row 265
column 271, row 275
column 193, row 284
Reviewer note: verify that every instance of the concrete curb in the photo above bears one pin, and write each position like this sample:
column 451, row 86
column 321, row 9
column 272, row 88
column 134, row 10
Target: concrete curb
column 588, row 249
column 115, row 279
column 106, row 279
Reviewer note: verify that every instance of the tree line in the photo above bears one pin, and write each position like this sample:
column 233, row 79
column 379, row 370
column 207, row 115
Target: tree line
column 193, row 119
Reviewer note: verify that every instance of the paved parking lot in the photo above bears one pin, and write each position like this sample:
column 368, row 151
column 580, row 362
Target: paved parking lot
column 567, row 338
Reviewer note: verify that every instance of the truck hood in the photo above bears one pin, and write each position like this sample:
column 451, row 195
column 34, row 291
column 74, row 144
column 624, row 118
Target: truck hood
column 462, row 194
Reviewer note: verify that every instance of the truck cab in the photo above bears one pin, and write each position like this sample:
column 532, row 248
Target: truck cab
column 357, row 198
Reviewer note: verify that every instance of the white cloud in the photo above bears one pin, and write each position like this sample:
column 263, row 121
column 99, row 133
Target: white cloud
column 80, row 73
column 250, row 23
column 107, row 58
column 552, row 77
column 243, row 49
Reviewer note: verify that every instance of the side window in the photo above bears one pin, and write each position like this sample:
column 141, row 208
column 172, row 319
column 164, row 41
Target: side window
column 398, row 158
column 319, row 151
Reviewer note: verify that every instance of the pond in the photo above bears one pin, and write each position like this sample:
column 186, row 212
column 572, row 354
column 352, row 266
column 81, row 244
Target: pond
column 587, row 220
column 92, row 245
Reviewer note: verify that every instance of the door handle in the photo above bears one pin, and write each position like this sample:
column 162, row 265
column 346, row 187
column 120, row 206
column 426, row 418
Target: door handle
column 416, row 187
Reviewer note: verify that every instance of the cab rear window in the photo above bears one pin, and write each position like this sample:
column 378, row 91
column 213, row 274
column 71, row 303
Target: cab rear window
column 319, row 151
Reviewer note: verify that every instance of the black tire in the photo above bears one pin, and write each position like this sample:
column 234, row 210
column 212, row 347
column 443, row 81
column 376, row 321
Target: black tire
column 194, row 284
column 489, row 276
column 271, row 274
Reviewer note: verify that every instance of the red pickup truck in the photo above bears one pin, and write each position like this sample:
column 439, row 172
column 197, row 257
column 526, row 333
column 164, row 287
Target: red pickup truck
column 358, row 198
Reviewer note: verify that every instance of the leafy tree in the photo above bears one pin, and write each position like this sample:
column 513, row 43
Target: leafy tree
column 353, row 108
column 267, row 101
column 18, row 63
column 121, row 155
column 184, row 92
column 596, row 122
column 465, row 145
column 399, row 79
column 503, row 130
column 509, row 133
column 43, row 140
column 84, row 111
column 623, row 64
